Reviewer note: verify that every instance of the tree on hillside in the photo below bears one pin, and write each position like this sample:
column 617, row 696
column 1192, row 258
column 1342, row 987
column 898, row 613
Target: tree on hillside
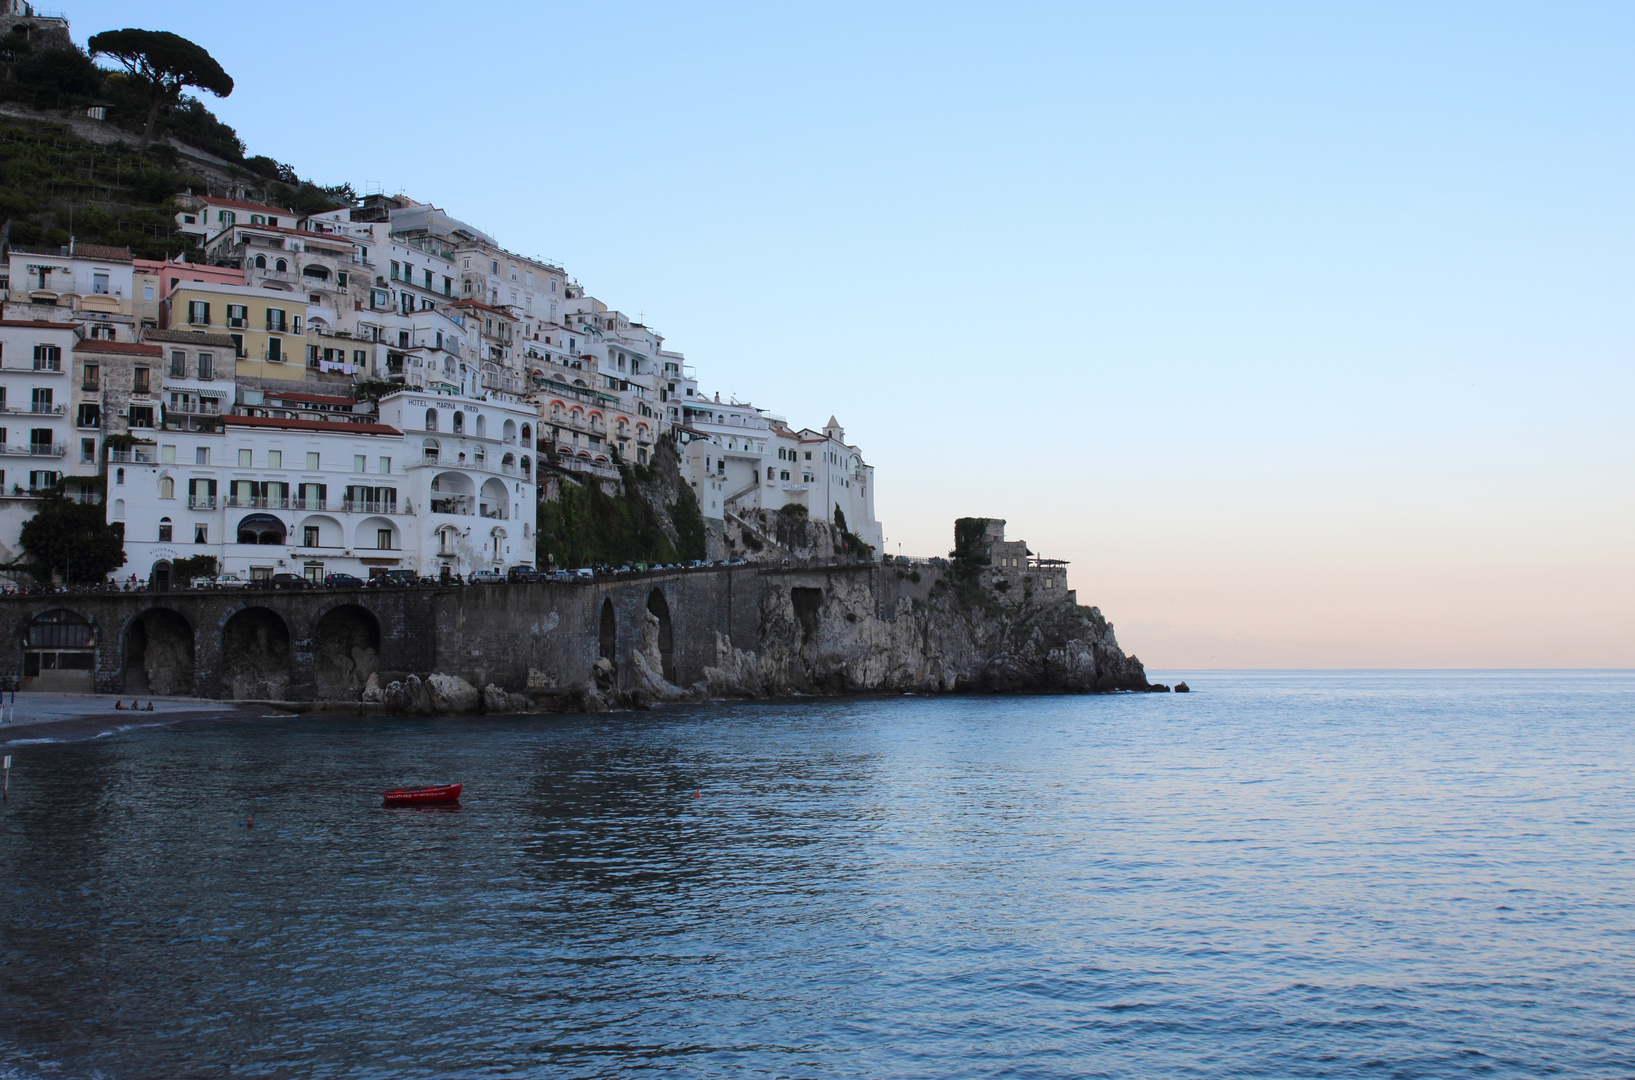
column 72, row 538
column 165, row 63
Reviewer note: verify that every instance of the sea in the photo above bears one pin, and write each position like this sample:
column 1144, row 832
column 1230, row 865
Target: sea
column 1279, row 874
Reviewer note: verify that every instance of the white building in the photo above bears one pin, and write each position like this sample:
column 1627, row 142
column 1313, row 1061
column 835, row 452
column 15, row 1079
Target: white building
column 86, row 284
column 441, row 484
column 36, row 367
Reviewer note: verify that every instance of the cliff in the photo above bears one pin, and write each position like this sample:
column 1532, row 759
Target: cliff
column 833, row 641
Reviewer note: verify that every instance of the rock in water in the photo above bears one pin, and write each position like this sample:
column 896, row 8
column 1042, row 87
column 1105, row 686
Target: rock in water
column 1182, row 688
column 494, row 699
column 451, row 694
column 373, row 693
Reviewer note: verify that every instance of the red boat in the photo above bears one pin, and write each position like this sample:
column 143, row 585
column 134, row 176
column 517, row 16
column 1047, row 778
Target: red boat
column 425, row 796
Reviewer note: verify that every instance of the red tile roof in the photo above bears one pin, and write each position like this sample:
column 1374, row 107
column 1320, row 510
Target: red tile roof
column 38, row 323
column 332, row 426
column 321, row 399
column 128, row 348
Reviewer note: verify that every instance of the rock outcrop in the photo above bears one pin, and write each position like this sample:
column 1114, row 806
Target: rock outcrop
column 832, row 642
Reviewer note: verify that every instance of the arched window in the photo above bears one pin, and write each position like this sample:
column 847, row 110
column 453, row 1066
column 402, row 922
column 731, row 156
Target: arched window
column 527, row 434
column 261, row 262
column 431, row 419
column 119, row 476
column 479, row 455
column 430, row 449
column 509, row 431
column 164, row 530
column 769, row 471
column 167, row 487
column 459, row 423
column 281, row 266
column 119, row 509
column 482, row 426
column 527, row 467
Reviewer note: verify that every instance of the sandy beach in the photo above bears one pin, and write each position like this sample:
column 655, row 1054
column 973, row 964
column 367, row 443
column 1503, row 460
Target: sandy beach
column 68, row 717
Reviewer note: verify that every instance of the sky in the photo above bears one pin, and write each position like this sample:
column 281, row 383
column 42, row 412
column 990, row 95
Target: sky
column 1304, row 331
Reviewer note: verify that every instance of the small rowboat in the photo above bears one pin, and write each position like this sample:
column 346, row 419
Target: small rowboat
column 426, row 796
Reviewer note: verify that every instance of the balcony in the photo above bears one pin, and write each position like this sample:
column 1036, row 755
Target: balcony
column 258, row 502
column 35, row 409
column 35, row 450
column 201, row 502
column 138, row 455
column 360, row 506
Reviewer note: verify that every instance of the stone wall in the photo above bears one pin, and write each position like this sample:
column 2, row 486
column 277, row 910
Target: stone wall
column 709, row 632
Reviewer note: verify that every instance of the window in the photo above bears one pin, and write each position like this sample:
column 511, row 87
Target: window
column 40, row 400
column 383, row 539
column 309, row 536
column 431, row 419
column 281, row 266
column 246, row 459
column 91, row 378
column 164, row 530
column 275, row 350
column 139, row 381
column 90, row 415
column 87, row 450
column 385, row 465
column 47, row 358
column 147, row 292
column 201, row 534
column 238, row 316
column 201, row 455
column 119, row 477
column 394, row 270
column 808, row 455
column 207, row 366
column 340, row 278
column 140, row 416
column 261, row 262
column 198, row 312
column 312, row 460
column 167, row 454
column 167, row 487
column 275, row 319
column 771, row 473
column 360, row 463
column 459, row 423
column 178, row 364
column 238, row 345
column 99, row 282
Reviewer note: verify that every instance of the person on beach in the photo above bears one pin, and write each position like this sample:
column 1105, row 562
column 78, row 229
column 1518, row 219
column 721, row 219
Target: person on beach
column 119, row 704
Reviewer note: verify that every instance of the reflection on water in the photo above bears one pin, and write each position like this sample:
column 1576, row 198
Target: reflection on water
column 1419, row 875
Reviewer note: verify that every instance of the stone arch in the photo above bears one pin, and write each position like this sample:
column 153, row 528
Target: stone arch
column 508, row 430
column 608, row 636
column 459, row 426
column 59, row 652
column 255, row 649
column 660, row 608
column 159, row 576
column 345, row 650
column 159, row 654
column 261, row 529
column 453, row 493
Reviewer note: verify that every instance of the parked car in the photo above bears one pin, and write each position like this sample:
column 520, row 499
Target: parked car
column 486, row 577
column 201, row 583
column 343, row 581
column 584, row 573
column 394, row 579
column 230, row 581
column 288, row 581
column 523, row 574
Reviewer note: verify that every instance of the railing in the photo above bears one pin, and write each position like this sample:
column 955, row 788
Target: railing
column 137, row 456
column 199, row 409
column 35, row 450
column 429, row 457
column 258, row 502
column 356, row 506
column 201, row 502
column 35, row 410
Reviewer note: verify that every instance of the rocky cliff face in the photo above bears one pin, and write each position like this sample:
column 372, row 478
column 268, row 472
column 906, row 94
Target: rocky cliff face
column 813, row 641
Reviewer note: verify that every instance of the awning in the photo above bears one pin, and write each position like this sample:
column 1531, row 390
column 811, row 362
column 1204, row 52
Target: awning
column 215, row 393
